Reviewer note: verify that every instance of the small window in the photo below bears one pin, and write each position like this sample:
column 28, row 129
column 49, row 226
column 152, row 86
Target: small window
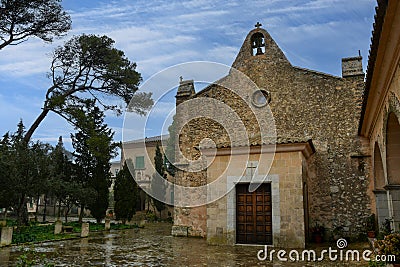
column 139, row 162
column 258, row 44
column 261, row 98
column 116, row 171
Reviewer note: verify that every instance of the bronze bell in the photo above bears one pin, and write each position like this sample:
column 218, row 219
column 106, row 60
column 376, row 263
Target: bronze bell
column 258, row 43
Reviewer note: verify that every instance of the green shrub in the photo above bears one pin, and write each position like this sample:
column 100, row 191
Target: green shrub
column 374, row 263
column 151, row 217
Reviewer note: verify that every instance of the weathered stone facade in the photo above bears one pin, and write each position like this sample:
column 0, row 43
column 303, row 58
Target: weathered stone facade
column 309, row 109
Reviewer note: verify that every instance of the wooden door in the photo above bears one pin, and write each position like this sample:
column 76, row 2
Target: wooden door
column 253, row 215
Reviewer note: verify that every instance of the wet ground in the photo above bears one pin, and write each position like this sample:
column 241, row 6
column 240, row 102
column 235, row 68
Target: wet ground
column 151, row 246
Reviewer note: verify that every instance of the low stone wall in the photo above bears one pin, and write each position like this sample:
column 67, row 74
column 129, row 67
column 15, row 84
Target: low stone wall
column 6, row 236
column 85, row 230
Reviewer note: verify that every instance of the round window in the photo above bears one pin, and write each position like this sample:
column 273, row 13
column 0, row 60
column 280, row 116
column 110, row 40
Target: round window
column 261, row 98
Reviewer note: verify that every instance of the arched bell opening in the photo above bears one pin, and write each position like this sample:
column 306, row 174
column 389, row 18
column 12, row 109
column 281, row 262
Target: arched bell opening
column 258, row 44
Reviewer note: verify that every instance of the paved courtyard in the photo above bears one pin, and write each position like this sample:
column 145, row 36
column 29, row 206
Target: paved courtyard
column 151, row 246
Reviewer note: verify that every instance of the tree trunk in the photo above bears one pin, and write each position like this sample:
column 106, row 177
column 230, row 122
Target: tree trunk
column 36, row 124
column 25, row 214
column 148, row 204
column 54, row 208
column 59, row 209
column 22, row 212
column 45, row 208
column 37, row 208
column 81, row 213
column 67, row 209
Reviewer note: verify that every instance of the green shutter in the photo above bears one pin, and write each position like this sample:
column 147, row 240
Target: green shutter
column 139, row 162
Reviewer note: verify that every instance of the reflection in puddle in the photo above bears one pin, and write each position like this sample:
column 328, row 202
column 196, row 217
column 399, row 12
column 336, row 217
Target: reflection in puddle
column 151, row 246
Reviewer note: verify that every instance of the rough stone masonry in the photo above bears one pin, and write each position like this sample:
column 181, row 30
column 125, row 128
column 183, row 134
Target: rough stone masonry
column 306, row 105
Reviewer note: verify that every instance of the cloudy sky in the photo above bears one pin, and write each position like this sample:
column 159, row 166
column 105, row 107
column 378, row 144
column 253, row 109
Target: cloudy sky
column 313, row 34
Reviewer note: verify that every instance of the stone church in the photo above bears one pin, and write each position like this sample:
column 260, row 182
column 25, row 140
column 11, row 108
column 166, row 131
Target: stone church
column 292, row 130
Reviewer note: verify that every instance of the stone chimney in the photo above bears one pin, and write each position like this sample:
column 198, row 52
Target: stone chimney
column 352, row 66
column 185, row 91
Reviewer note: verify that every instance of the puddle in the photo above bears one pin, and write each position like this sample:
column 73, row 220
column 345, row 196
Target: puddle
column 151, row 246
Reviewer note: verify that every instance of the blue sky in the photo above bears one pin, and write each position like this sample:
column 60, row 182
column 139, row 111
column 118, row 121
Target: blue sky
column 313, row 34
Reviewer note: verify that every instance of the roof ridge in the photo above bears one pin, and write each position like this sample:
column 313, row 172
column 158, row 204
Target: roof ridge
column 317, row 72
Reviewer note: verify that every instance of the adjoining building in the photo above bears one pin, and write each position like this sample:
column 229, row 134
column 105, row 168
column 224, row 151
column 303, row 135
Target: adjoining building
column 380, row 116
column 142, row 152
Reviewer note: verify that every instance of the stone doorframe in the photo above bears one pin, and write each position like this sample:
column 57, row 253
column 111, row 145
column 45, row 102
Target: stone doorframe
column 231, row 203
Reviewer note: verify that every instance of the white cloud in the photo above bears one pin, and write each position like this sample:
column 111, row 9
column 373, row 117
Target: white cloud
column 201, row 16
column 158, row 34
column 27, row 58
column 161, row 109
column 221, row 53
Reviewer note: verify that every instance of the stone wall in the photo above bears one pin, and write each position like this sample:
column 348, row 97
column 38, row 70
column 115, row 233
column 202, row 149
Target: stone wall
column 286, row 178
column 324, row 108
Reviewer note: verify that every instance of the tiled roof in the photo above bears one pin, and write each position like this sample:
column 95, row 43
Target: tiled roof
column 316, row 72
column 157, row 138
column 380, row 12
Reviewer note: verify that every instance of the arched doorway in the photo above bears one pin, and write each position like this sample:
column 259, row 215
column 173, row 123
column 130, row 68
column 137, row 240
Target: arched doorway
column 393, row 165
column 393, row 149
column 382, row 210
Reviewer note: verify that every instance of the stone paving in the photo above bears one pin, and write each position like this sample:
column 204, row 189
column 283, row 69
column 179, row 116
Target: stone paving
column 151, row 246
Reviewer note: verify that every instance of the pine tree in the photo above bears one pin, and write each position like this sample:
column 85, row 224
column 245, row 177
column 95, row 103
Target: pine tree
column 64, row 185
column 126, row 195
column 89, row 67
column 23, row 19
column 93, row 151
column 158, row 183
column 43, row 163
column 6, row 190
column 170, row 148
column 22, row 177
column 24, row 172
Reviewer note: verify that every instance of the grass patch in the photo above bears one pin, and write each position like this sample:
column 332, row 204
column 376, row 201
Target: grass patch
column 96, row 227
column 36, row 233
column 9, row 222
